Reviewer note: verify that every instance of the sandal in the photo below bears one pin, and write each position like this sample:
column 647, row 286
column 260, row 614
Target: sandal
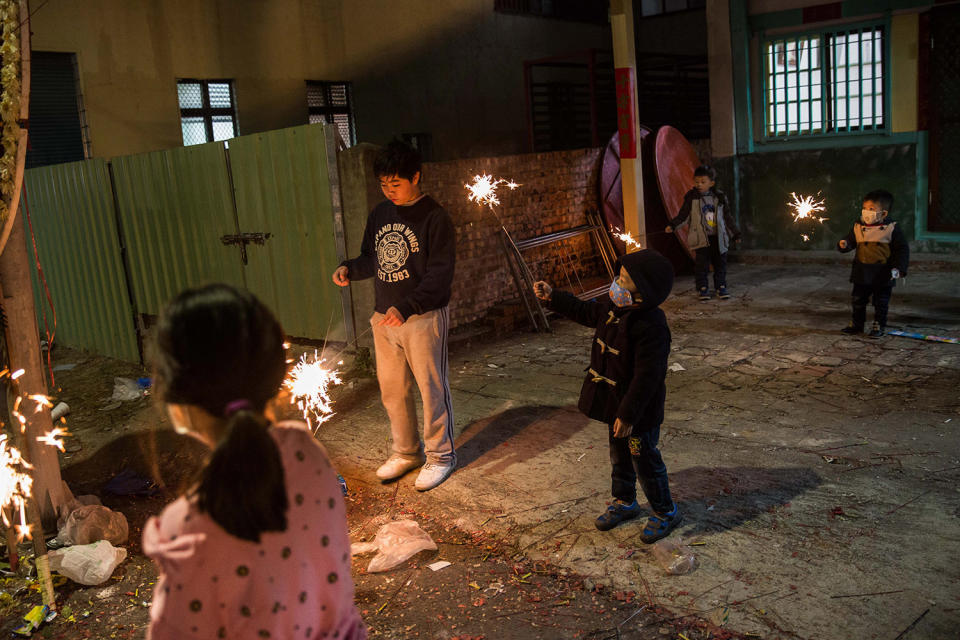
column 660, row 525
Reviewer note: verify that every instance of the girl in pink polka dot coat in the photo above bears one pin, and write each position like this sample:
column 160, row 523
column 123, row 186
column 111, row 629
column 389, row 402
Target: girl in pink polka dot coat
column 258, row 547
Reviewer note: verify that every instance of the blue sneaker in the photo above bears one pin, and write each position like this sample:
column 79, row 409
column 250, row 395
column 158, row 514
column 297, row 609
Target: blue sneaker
column 619, row 511
column 659, row 525
column 703, row 293
column 722, row 293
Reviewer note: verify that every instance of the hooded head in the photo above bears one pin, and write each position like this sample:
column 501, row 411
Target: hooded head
column 652, row 276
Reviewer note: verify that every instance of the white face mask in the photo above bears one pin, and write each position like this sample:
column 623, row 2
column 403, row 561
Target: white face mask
column 870, row 217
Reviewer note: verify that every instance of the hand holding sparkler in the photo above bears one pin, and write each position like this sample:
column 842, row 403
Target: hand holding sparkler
column 669, row 229
column 542, row 290
column 842, row 244
column 341, row 276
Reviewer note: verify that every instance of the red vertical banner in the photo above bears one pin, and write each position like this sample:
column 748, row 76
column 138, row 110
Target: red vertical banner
column 626, row 83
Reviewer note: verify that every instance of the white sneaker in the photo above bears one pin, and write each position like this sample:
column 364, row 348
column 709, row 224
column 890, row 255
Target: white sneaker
column 395, row 466
column 432, row 475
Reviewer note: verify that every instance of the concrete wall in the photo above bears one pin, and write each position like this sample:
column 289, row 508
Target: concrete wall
column 452, row 68
column 557, row 189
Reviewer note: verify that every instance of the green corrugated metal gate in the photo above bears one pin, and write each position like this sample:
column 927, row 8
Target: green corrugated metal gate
column 71, row 208
column 117, row 241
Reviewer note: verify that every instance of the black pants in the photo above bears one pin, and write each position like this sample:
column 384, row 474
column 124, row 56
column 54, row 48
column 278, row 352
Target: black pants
column 707, row 256
column 637, row 458
column 881, row 302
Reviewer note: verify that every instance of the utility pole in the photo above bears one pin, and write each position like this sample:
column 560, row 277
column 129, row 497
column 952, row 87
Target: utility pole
column 628, row 121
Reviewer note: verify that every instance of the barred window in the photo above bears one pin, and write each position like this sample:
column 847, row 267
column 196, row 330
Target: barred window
column 331, row 102
column 825, row 83
column 208, row 110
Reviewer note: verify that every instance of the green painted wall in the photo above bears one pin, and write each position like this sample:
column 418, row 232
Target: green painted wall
column 841, row 175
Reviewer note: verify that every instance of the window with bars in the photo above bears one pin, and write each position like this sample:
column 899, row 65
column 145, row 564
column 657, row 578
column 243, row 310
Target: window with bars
column 208, row 110
column 331, row 102
column 825, row 83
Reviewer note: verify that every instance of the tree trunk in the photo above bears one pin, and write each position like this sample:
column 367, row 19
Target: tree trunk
column 23, row 348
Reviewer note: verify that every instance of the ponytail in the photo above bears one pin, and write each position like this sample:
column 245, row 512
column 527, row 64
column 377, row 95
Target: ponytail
column 242, row 486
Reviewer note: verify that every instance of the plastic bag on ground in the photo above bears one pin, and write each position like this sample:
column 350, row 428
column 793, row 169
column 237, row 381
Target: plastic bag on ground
column 87, row 564
column 676, row 558
column 91, row 523
column 71, row 504
column 126, row 389
column 398, row 541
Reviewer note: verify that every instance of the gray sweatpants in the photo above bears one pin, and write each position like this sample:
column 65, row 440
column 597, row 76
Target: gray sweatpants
column 416, row 351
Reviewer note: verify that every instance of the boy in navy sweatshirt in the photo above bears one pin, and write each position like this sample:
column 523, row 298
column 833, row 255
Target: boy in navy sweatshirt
column 409, row 246
column 882, row 256
column 625, row 385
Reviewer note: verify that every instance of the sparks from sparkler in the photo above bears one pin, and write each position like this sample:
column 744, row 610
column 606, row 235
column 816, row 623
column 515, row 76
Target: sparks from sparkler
column 309, row 382
column 53, row 436
column 805, row 206
column 625, row 237
column 483, row 191
column 16, row 483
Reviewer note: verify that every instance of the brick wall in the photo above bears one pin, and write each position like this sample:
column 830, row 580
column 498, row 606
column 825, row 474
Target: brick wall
column 556, row 190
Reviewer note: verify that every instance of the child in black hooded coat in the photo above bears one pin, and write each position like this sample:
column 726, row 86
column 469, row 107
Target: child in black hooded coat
column 625, row 384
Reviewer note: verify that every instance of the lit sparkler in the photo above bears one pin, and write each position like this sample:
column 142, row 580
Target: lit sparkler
column 484, row 189
column 805, row 208
column 15, row 485
column 309, row 382
column 625, row 237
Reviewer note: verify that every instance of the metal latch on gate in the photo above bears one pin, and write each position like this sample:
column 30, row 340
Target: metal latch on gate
column 246, row 238
column 243, row 239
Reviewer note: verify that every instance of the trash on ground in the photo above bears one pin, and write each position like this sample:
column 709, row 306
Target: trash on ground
column 67, row 366
column 87, row 564
column 62, row 409
column 91, row 523
column 676, row 366
column 441, row 564
column 396, row 542
column 131, row 483
column 32, row 621
column 676, row 558
column 125, row 389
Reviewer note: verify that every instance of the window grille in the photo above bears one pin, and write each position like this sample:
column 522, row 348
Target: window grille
column 331, row 102
column 208, row 110
column 825, row 83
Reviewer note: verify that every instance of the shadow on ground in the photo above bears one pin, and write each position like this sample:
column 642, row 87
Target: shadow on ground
column 506, row 438
column 716, row 499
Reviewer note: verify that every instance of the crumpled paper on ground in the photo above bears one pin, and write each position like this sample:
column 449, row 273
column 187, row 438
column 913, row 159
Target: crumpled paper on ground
column 396, row 542
column 87, row 564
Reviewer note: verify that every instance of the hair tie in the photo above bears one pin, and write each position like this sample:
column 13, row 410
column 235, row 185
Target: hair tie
column 236, row 405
